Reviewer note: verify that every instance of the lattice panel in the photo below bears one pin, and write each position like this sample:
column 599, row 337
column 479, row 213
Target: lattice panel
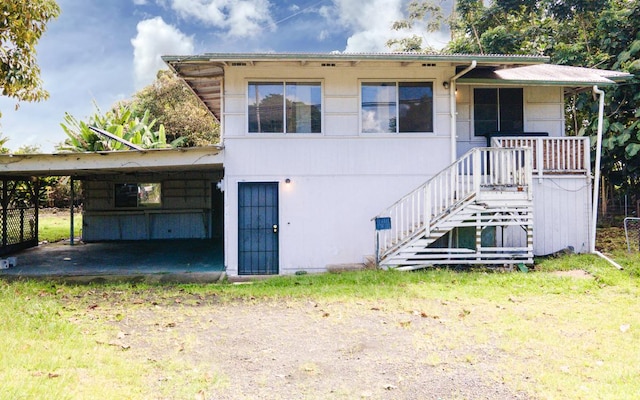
column 632, row 233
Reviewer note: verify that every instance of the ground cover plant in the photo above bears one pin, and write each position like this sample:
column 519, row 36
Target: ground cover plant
column 567, row 329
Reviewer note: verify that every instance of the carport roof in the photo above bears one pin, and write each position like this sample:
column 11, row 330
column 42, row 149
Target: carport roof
column 209, row 158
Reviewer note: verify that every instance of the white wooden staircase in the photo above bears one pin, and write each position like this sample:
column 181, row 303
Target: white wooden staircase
column 479, row 210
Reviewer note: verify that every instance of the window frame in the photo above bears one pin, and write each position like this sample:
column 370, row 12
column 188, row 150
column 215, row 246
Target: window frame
column 284, row 82
column 397, row 82
column 497, row 89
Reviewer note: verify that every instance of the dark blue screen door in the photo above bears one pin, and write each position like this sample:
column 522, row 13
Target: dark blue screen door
column 257, row 228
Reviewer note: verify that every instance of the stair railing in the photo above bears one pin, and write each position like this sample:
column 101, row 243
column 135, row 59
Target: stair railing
column 417, row 212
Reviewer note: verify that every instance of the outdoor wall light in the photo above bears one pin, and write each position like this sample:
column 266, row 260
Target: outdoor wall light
column 287, row 181
column 445, row 84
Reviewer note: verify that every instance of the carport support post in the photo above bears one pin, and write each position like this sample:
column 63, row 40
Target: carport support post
column 71, row 232
column 5, row 203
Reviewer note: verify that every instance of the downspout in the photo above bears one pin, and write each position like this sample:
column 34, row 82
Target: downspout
column 597, row 174
column 452, row 107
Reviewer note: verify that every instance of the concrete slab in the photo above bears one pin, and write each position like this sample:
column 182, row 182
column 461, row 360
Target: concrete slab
column 149, row 261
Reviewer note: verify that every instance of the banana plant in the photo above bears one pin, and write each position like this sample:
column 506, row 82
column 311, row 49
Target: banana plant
column 122, row 122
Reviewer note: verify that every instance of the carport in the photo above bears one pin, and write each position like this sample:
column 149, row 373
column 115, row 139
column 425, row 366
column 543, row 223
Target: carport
column 168, row 244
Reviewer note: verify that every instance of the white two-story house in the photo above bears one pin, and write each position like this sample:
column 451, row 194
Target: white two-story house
column 331, row 160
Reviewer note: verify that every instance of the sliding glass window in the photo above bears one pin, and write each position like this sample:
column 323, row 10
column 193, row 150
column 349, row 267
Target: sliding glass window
column 397, row 107
column 285, row 107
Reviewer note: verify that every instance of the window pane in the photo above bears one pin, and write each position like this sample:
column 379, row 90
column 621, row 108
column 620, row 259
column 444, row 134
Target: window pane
column 378, row 107
column 416, row 106
column 149, row 194
column 485, row 111
column 511, row 118
column 135, row 195
column 304, row 109
column 266, row 107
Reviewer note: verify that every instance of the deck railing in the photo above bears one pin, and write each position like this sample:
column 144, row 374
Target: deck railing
column 553, row 155
column 460, row 182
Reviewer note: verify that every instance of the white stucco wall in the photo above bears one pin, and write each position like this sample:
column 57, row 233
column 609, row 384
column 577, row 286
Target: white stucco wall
column 341, row 178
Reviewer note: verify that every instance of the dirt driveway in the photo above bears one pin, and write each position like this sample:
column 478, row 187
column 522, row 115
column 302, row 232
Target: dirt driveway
column 304, row 350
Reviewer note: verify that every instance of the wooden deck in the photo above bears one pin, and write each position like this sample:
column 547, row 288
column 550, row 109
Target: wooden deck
column 552, row 155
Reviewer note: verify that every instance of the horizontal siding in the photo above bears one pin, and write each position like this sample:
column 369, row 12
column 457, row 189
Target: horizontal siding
column 566, row 200
column 341, row 92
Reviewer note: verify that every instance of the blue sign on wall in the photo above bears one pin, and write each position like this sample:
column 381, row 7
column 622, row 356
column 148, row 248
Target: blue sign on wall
column 383, row 223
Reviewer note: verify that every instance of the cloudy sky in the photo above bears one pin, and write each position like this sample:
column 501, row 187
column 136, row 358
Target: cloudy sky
column 102, row 51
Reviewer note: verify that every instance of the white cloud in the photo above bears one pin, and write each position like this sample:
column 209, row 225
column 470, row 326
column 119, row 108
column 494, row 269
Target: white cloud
column 370, row 23
column 139, row 2
column 154, row 39
column 240, row 18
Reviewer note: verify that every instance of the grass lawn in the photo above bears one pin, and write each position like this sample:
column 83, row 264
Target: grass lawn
column 559, row 336
column 53, row 227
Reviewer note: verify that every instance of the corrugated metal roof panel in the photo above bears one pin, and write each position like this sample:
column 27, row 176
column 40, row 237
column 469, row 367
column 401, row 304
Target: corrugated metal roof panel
column 398, row 56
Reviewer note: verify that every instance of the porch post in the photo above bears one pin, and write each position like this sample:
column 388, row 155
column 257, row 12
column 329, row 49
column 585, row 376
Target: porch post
column 453, row 111
column 72, row 199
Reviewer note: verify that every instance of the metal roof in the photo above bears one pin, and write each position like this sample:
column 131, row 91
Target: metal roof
column 545, row 74
column 209, row 158
column 338, row 56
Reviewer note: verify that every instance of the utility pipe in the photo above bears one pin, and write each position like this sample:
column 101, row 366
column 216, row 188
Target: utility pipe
column 452, row 108
column 596, row 183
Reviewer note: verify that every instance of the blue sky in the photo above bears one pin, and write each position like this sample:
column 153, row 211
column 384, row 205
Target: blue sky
column 103, row 51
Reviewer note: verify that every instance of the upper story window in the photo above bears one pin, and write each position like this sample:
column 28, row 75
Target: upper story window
column 498, row 110
column 397, row 107
column 285, row 107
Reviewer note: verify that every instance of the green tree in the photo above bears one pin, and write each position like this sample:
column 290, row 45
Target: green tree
column 22, row 23
column 172, row 104
column 426, row 13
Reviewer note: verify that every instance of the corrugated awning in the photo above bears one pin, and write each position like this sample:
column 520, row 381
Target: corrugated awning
column 545, row 74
